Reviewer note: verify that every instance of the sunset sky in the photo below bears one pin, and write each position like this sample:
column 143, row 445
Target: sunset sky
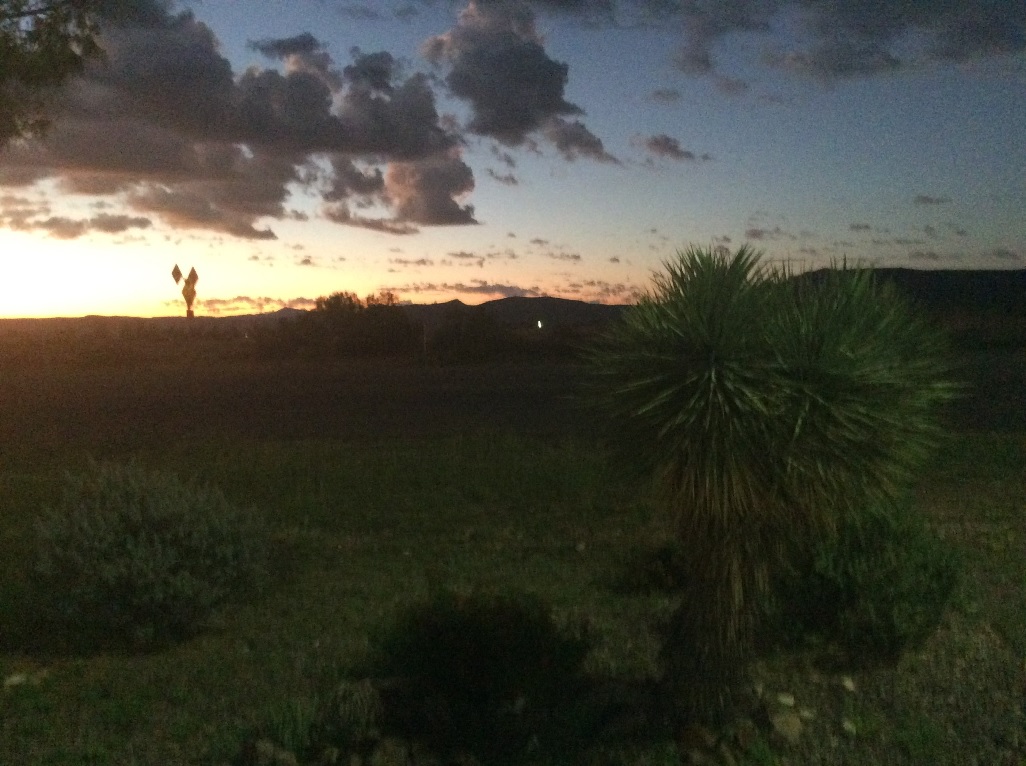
column 477, row 149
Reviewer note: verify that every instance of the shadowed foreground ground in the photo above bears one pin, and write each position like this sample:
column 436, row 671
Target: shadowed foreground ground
column 123, row 405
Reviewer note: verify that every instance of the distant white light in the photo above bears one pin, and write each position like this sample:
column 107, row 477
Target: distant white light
column 539, row 324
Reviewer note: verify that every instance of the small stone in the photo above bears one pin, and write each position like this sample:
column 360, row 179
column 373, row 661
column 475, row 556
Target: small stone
column 788, row 725
column 849, row 727
column 848, row 683
column 15, row 680
column 580, row 547
column 806, row 714
column 785, row 699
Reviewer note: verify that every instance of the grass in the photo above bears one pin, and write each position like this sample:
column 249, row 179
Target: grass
column 363, row 528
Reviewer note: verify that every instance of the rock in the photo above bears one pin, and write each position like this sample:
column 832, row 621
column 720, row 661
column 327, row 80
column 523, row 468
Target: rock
column 849, row 727
column 848, row 683
column 788, row 726
column 786, row 699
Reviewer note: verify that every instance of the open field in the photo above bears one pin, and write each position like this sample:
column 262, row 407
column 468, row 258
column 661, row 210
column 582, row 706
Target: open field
column 384, row 481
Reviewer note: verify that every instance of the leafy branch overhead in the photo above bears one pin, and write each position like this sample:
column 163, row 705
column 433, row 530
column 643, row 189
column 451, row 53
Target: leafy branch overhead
column 42, row 44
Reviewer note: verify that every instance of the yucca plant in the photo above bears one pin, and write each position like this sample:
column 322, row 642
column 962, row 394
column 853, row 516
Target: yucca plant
column 767, row 406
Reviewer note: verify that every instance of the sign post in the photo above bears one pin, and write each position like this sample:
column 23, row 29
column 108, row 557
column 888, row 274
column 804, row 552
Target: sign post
column 189, row 290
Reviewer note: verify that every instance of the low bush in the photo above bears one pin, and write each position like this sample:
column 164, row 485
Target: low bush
column 878, row 587
column 489, row 675
column 138, row 559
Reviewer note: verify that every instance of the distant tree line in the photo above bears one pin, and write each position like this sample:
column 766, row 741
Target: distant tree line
column 342, row 325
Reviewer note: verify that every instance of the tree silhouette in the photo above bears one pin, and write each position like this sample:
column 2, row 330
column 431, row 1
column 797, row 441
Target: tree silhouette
column 42, row 43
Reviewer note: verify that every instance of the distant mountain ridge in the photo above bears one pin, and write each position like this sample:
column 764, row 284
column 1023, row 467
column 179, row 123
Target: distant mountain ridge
column 965, row 290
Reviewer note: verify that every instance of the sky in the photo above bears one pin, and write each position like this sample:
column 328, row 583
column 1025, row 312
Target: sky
column 480, row 149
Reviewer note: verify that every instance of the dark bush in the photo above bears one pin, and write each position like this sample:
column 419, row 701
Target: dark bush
column 493, row 676
column 138, row 558
column 878, row 587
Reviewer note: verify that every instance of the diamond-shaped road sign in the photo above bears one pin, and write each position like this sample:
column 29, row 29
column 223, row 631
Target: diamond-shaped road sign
column 193, row 278
column 176, row 273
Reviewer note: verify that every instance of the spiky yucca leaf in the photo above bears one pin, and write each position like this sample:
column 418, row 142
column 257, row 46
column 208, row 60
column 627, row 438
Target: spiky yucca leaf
column 766, row 407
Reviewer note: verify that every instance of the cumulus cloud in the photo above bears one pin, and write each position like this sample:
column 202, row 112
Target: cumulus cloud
column 425, row 191
column 573, row 140
column 164, row 125
column 497, row 63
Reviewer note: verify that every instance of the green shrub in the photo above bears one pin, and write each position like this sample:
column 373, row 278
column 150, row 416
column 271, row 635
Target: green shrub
column 492, row 676
column 138, row 558
column 765, row 407
column 876, row 588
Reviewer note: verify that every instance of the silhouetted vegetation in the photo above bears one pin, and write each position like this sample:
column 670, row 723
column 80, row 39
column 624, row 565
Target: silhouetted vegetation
column 42, row 43
column 769, row 411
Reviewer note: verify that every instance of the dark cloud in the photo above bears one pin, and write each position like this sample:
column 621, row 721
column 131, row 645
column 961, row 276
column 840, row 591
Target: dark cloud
column 834, row 39
column 762, row 233
column 165, row 123
column 662, row 145
column 927, row 199
column 407, row 262
column 498, row 64
column 507, row 179
column 860, row 227
column 304, row 44
column 425, row 191
column 341, row 214
column 572, row 257
column 26, row 217
column 475, row 287
column 573, row 140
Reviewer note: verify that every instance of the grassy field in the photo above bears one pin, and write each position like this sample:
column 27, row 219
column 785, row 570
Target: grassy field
column 384, row 483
